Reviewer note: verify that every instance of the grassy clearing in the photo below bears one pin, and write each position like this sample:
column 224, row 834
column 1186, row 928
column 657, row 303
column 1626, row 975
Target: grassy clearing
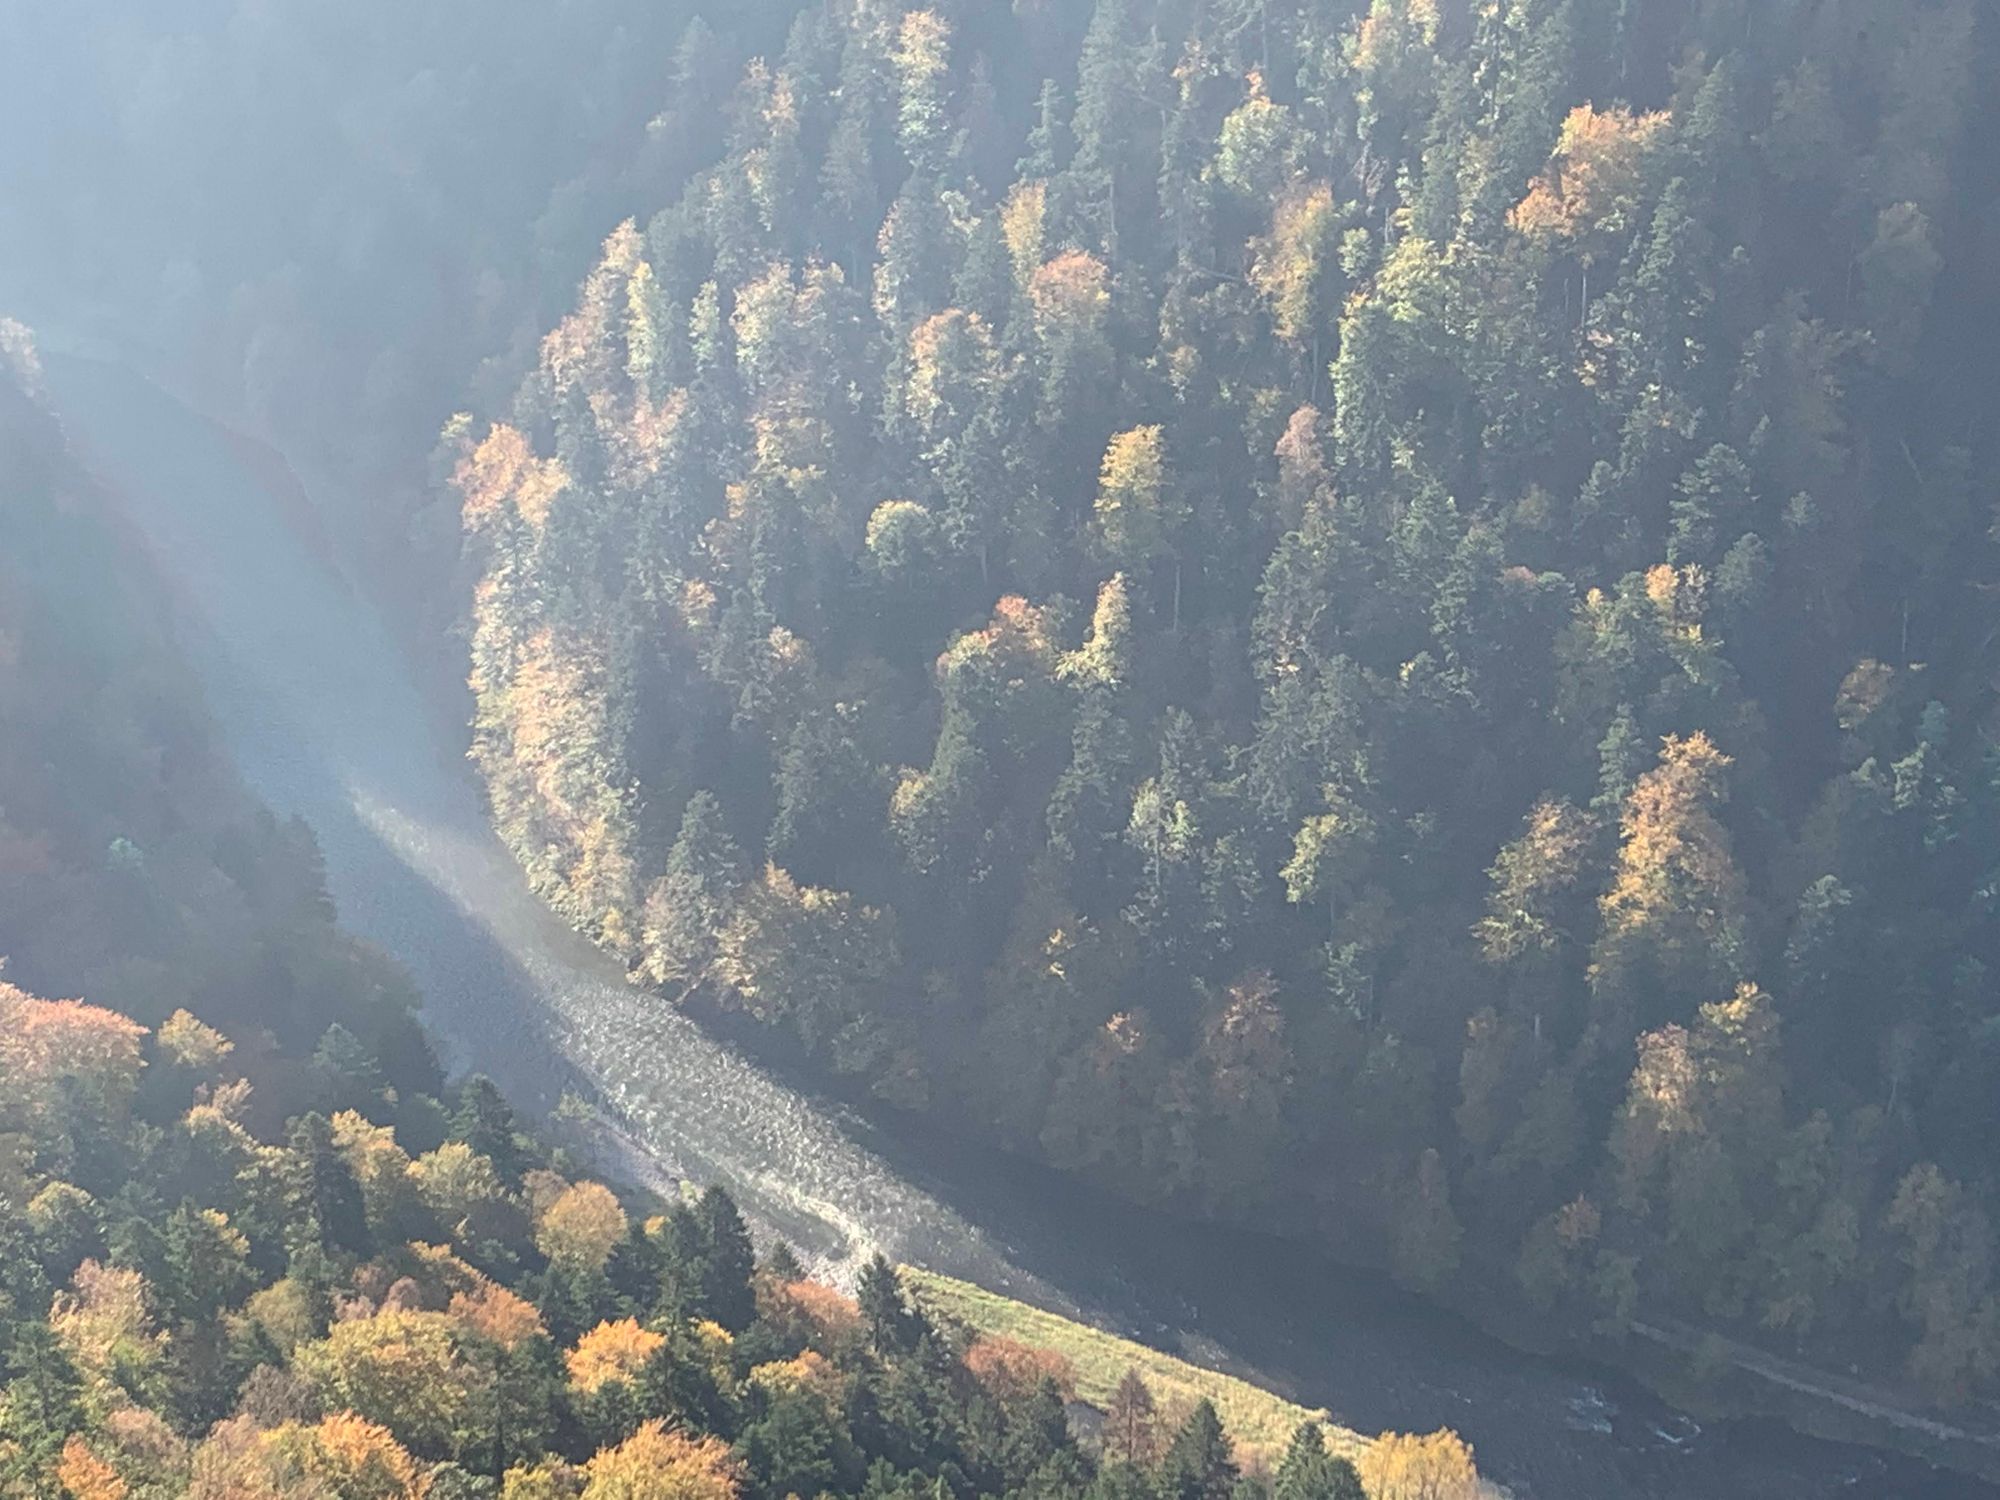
column 1260, row 1422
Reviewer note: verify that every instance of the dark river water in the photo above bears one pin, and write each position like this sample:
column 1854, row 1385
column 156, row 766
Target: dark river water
column 325, row 719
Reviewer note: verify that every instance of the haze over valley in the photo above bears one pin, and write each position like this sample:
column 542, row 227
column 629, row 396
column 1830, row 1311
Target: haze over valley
column 1313, row 683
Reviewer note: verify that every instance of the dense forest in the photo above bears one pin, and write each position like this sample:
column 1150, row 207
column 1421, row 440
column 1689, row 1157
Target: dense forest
column 286, row 1261
column 1373, row 618
column 355, row 1311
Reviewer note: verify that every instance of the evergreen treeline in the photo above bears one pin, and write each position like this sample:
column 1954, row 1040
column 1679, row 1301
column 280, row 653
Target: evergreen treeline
column 1373, row 618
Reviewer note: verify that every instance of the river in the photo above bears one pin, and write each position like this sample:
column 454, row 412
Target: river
column 325, row 720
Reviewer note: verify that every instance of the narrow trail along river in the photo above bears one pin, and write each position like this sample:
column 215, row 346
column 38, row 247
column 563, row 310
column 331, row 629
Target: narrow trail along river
column 324, row 717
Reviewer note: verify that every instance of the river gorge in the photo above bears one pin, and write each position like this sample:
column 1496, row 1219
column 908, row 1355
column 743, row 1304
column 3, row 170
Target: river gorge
column 326, row 721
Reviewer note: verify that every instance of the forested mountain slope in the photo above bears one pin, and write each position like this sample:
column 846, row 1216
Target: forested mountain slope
column 134, row 867
column 442, row 1310
column 283, row 1261
column 1377, row 621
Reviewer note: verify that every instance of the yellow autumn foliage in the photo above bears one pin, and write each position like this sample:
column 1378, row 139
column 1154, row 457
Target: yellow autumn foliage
column 655, row 1464
column 191, row 1044
column 103, row 1322
column 579, row 1230
column 1591, row 175
column 1407, row 1466
column 611, row 1351
column 504, row 470
column 342, row 1455
column 1676, row 852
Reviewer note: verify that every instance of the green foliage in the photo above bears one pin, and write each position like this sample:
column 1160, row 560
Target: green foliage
column 1537, row 445
column 1525, row 522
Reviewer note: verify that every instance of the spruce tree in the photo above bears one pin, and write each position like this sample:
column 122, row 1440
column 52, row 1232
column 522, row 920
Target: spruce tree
column 893, row 1328
column 728, row 1261
column 485, row 1122
column 323, row 1201
column 1198, row 1464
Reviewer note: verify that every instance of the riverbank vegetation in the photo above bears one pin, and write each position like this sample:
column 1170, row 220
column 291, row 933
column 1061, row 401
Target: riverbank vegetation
column 1262, row 1423
column 1375, row 619
column 352, row 1310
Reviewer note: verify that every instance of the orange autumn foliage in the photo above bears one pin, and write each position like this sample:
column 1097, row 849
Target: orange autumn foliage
column 1592, row 172
column 86, row 1476
column 44, row 1043
column 363, row 1460
column 496, row 1314
column 1009, row 1368
column 505, row 470
column 340, row 1455
column 1073, row 290
column 611, row 1351
column 807, row 1310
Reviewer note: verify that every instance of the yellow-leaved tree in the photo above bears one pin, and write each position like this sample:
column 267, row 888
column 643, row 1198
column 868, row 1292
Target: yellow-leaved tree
column 401, row 1367
column 1409, row 1466
column 342, row 1455
column 579, row 1230
column 611, row 1351
column 1673, row 920
column 655, row 1464
column 1586, row 196
column 51, row 1047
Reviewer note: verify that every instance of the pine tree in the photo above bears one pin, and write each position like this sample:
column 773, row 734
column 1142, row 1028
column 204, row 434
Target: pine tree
column 1309, row 1472
column 690, row 904
column 348, row 1075
column 43, row 1406
column 893, row 1328
column 323, row 1201
column 1197, row 1464
column 485, row 1122
column 728, row 1261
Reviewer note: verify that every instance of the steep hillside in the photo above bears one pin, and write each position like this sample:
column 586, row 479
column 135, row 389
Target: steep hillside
column 133, row 866
column 1377, row 622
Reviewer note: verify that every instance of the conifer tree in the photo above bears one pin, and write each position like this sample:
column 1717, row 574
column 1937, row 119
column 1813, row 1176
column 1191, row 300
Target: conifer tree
column 1198, row 1464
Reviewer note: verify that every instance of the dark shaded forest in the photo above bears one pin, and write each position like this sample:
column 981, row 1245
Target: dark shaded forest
column 134, row 867
column 1377, row 620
